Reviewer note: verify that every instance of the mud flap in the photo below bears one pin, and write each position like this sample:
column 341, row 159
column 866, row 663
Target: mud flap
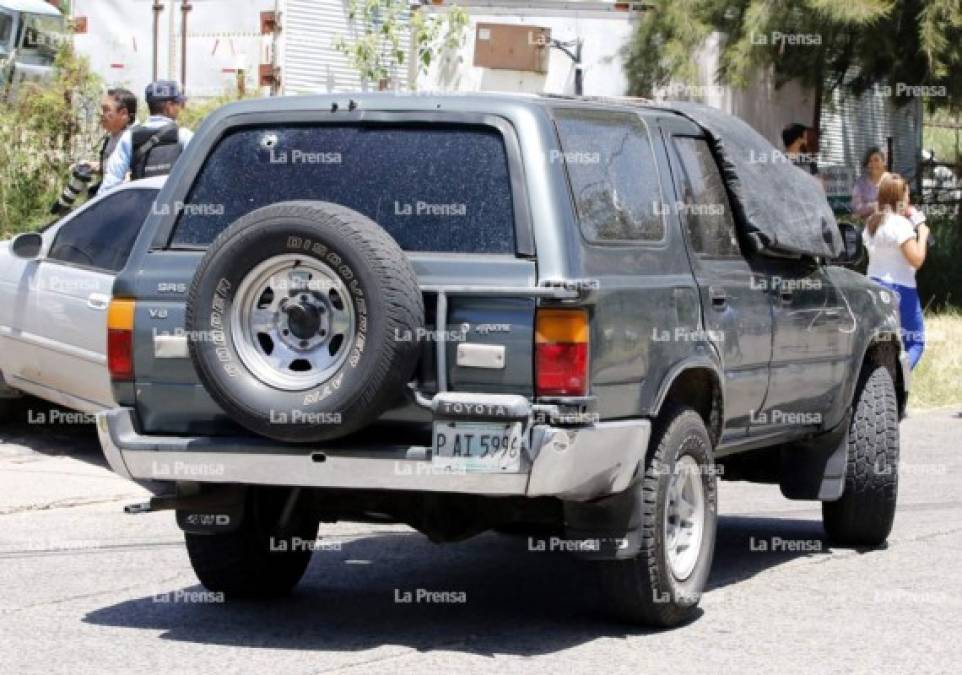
column 605, row 529
column 814, row 469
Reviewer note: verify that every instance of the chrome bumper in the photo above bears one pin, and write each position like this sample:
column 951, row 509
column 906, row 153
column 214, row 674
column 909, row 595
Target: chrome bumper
column 576, row 464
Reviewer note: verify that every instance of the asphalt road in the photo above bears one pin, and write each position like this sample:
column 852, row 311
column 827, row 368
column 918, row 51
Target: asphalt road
column 87, row 588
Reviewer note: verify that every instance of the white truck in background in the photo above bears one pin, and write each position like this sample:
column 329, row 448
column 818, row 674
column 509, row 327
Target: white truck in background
column 31, row 31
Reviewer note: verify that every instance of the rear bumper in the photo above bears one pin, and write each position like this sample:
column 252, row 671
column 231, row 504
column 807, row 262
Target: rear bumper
column 576, row 464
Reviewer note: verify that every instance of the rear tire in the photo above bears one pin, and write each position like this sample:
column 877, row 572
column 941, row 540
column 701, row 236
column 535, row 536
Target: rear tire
column 259, row 560
column 864, row 514
column 662, row 585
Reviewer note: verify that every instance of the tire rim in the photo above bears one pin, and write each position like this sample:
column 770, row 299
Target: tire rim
column 684, row 517
column 293, row 322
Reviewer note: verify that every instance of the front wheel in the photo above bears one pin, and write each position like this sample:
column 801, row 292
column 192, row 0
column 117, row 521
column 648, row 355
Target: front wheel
column 864, row 514
column 677, row 498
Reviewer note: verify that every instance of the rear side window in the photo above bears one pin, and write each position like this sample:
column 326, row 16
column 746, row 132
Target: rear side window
column 102, row 235
column 706, row 211
column 433, row 188
column 611, row 166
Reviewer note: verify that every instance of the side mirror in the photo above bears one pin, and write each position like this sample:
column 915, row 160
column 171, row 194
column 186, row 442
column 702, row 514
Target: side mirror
column 853, row 253
column 27, row 246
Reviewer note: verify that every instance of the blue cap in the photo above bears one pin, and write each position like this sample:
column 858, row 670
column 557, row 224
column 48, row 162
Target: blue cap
column 164, row 90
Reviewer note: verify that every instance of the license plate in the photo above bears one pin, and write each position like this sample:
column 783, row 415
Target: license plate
column 478, row 447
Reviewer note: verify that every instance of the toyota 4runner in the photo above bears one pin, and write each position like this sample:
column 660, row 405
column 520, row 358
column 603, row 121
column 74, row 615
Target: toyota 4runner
column 481, row 312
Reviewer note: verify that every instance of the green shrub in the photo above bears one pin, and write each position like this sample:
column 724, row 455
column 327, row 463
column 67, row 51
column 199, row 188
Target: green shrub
column 940, row 279
column 44, row 129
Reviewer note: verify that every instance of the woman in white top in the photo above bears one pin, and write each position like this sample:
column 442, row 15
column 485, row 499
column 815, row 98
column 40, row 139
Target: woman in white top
column 896, row 249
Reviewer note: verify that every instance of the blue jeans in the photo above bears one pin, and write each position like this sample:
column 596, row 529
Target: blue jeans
column 910, row 311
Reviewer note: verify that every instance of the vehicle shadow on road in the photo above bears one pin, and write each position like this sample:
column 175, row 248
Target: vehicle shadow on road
column 51, row 430
column 504, row 598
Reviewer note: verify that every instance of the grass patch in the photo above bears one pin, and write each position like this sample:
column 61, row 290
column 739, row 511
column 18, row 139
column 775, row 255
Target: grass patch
column 937, row 381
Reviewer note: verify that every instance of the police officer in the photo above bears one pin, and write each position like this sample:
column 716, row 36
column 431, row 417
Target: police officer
column 150, row 149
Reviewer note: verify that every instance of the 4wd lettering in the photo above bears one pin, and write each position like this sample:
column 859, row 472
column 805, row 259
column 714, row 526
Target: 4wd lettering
column 208, row 519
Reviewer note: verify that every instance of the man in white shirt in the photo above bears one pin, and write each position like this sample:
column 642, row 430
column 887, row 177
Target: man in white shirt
column 152, row 148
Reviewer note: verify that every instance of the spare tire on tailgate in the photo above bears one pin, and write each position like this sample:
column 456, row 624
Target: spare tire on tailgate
column 301, row 316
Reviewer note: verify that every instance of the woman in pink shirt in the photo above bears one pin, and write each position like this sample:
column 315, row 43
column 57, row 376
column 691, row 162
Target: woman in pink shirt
column 865, row 191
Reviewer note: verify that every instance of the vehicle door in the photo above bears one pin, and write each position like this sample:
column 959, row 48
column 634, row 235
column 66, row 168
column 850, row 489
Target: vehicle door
column 811, row 346
column 737, row 311
column 64, row 325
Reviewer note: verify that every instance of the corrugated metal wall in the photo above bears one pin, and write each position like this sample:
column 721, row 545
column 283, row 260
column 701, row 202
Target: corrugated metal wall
column 309, row 62
column 850, row 125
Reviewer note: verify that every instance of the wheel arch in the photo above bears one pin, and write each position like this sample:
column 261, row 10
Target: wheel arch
column 884, row 348
column 696, row 383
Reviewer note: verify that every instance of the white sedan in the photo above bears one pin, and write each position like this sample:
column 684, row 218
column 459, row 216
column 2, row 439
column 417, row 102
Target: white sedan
column 55, row 286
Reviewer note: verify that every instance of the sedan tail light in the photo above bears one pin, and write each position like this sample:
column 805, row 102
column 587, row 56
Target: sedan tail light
column 561, row 352
column 120, row 340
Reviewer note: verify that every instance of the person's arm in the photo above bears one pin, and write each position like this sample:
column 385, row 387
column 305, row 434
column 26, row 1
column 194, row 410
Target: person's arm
column 118, row 164
column 915, row 247
column 861, row 207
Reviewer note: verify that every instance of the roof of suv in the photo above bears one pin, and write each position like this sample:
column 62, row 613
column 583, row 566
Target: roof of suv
column 480, row 102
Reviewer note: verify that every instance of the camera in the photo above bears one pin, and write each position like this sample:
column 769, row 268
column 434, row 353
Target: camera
column 80, row 178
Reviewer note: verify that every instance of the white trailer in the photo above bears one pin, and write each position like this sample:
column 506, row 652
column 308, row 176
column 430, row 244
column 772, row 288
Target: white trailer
column 577, row 41
column 308, row 62
column 132, row 42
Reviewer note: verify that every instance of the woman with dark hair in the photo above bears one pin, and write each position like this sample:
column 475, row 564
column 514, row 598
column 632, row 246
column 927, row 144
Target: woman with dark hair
column 865, row 191
column 895, row 251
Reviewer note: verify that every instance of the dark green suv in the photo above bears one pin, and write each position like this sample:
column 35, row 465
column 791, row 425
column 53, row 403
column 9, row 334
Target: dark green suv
column 472, row 312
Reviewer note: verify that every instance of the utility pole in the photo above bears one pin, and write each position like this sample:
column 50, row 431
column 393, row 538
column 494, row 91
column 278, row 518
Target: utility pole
column 158, row 7
column 185, row 8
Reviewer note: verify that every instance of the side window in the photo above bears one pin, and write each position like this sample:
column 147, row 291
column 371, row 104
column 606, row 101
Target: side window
column 706, row 211
column 6, row 26
column 101, row 237
column 611, row 166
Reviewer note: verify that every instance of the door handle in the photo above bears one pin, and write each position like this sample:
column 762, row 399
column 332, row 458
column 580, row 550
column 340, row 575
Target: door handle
column 719, row 299
column 785, row 295
column 98, row 301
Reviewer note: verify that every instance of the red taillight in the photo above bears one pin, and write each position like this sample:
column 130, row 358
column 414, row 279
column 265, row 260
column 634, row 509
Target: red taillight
column 120, row 343
column 561, row 352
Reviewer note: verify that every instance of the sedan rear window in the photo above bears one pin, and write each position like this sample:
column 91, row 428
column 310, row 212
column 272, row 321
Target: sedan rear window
column 433, row 188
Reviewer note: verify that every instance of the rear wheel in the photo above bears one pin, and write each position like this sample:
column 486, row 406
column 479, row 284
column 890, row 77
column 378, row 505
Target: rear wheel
column 864, row 514
column 263, row 559
column 677, row 496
